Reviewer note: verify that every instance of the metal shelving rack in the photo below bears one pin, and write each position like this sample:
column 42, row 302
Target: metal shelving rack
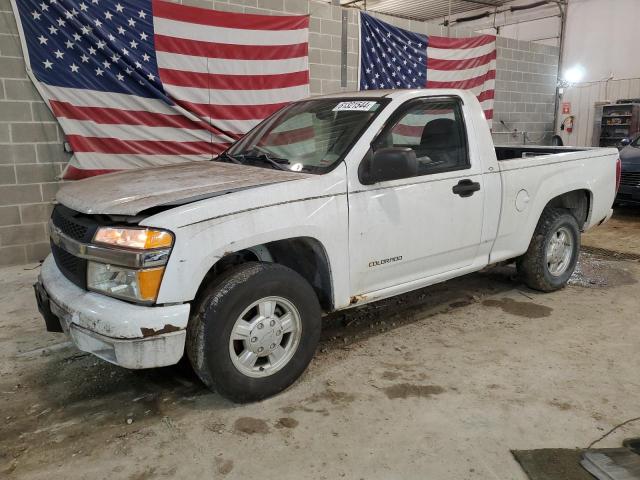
column 619, row 120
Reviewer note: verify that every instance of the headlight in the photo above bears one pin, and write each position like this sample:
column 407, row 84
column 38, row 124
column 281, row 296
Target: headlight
column 125, row 283
column 139, row 238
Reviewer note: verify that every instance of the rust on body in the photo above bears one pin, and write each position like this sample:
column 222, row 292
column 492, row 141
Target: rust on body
column 150, row 332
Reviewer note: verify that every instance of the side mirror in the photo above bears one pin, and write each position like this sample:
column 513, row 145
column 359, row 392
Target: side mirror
column 388, row 164
column 625, row 141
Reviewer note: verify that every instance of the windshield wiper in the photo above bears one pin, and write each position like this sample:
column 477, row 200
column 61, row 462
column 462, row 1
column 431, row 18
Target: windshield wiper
column 254, row 155
column 275, row 162
column 225, row 157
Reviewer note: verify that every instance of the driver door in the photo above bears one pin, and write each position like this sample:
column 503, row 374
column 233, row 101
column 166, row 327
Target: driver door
column 413, row 228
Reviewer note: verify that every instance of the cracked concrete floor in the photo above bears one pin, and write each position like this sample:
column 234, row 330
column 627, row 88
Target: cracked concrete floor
column 440, row 383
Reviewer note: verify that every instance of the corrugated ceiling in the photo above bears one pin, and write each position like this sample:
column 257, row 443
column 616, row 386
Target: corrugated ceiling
column 424, row 9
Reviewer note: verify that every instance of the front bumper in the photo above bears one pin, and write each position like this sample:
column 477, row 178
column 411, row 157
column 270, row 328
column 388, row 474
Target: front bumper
column 132, row 336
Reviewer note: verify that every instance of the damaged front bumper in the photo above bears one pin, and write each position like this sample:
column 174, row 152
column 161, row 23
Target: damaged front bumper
column 132, row 336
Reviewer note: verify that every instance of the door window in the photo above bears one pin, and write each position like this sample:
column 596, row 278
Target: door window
column 435, row 131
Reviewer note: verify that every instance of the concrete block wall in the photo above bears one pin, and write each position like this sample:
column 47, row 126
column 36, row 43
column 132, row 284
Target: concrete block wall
column 31, row 143
column 526, row 78
column 31, row 154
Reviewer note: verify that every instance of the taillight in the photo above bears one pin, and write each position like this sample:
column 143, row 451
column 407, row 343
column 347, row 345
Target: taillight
column 618, row 173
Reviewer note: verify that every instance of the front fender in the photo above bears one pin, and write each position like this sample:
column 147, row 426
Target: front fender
column 199, row 246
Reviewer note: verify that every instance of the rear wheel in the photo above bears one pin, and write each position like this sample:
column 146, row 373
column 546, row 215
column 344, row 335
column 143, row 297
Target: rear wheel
column 553, row 252
column 254, row 331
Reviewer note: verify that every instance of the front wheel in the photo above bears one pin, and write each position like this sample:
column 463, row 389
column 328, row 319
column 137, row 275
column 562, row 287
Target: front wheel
column 254, row 331
column 553, row 252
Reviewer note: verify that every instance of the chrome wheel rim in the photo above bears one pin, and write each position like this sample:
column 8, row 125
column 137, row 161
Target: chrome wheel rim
column 265, row 337
column 559, row 251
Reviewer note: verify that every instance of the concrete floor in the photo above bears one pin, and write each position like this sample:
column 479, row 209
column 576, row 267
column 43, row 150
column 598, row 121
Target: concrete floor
column 437, row 384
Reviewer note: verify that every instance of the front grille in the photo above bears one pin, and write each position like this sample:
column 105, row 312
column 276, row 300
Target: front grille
column 631, row 179
column 73, row 230
column 72, row 267
column 79, row 227
column 74, row 224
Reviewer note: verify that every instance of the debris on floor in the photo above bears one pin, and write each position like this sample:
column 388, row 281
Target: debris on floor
column 612, row 464
column 595, row 271
column 479, row 365
column 573, row 464
column 552, row 464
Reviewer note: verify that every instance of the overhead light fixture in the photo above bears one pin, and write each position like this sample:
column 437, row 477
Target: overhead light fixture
column 574, row 74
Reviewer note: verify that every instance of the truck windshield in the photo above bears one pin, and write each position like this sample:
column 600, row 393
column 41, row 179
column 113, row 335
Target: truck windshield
column 308, row 136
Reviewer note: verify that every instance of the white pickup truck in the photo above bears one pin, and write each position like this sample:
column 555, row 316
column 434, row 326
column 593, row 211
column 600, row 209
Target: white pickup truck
column 330, row 203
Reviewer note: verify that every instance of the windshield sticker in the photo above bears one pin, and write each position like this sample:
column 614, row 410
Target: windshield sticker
column 359, row 106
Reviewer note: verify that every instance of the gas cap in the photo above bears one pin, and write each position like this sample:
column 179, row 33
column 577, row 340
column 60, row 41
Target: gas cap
column 522, row 200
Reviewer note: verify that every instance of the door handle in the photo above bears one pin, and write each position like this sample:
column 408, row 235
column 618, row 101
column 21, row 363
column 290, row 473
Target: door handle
column 466, row 188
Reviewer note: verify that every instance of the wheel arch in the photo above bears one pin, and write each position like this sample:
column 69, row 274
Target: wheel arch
column 305, row 255
column 578, row 202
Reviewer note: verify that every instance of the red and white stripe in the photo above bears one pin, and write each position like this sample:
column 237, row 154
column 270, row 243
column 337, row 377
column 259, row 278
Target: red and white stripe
column 409, row 130
column 113, row 131
column 466, row 63
column 299, row 131
column 253, row 65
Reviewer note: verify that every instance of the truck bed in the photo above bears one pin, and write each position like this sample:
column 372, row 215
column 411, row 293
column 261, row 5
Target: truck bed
column 532, row 176
column 511, row 152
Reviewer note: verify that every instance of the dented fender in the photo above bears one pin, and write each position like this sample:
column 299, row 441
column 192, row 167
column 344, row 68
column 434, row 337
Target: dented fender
column 208, row 230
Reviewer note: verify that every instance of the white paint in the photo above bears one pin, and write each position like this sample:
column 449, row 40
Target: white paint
column 239, row 97
column 544, row 178
column 128, row 193
column 89, row 128
column 301, row 208
column 226, row 66
column 194, row 31
column 110, row 328
column 437, row 234
column 157, row 351
column 105, row 315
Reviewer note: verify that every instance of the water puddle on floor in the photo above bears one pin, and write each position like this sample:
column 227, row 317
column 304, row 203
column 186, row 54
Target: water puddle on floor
column 595, row 272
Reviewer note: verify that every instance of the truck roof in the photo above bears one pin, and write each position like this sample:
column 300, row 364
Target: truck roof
column 399, row 93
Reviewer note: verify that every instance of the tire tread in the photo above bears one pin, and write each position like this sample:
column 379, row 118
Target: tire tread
column 204, row 330
column 530, row 267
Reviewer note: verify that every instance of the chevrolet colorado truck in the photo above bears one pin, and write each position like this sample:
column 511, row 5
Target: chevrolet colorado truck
column 330, row 203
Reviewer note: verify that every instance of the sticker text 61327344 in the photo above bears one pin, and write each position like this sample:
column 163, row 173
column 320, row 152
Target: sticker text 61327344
column 360, row 106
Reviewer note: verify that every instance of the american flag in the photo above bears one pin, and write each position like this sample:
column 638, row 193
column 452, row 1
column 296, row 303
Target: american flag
column 392, row 57
column 145, row 82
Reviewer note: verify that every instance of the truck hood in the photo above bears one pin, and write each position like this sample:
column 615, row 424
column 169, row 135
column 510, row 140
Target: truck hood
column 134, row 191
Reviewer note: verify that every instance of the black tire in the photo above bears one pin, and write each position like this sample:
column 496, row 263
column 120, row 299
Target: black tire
column 533, row 267
column 221, row 304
